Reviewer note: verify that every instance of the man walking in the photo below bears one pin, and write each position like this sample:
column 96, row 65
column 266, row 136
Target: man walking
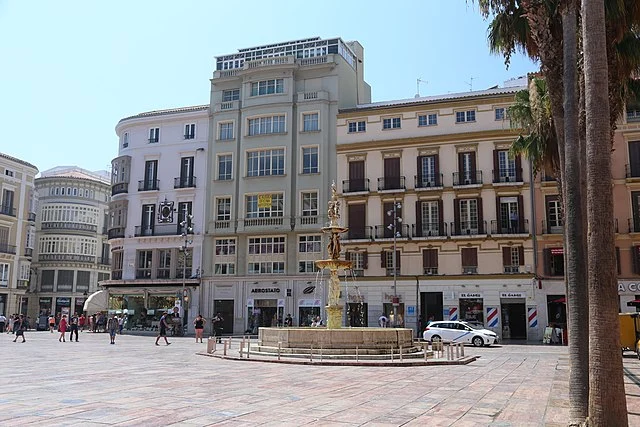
column 217, row 327
column 162, row 329
column 112, row 327
column 3, row 321
column 73, row 328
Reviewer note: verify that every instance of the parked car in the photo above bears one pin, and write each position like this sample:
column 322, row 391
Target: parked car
column 459, row 332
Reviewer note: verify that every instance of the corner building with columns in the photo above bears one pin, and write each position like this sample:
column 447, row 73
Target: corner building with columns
column 463, row 244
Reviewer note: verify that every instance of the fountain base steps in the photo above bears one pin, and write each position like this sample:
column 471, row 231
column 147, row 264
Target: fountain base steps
column 343, row 338
column 343, row 353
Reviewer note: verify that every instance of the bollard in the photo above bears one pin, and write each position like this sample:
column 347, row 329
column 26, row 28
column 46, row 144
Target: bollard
column 248, row 347
column 321, row 352
column 401, row 353
column 211, row 345
column 425, row 348
column 311, row 353
column 462, row 350
column 392, row 354
column 279, row 348
column 241, row 348
column 356, row 354
column 458, row 351
column 224, row 347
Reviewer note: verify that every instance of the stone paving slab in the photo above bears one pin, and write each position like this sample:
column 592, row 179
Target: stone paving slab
column 135, row 383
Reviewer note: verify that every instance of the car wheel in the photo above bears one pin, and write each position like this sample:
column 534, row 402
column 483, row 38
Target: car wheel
column 436, row 338
column 477, row 341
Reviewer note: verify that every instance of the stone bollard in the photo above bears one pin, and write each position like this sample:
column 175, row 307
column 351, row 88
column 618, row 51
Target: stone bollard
column 321, row 358
column 392, row 354
column 400, row 353
column 225, row 346
column 248, row 347
column 279, row 348
column 241, row 348
column 458, row 350
column 425, row 348
column 311, row 353
column 462, row 351
column 211, row 345
column 357, row 354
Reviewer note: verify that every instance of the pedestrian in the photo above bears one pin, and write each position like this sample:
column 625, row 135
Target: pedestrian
column 288, row 321
column 12, row 320
column 102, row 323
column 52, row 323
column 81, row 322
column 162, row 329
column 92, row 323
column 112, row 327
column 198, row 325
column 120, row 323
column 3, row 322
column 73, row 328
column 513, row 218
column 62, row 328
column 383, row 321
column 19, row 326
column 217, row 327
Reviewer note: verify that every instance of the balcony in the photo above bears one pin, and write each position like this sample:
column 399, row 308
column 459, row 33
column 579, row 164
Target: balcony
column 383, row 232
column 22, row 284
column 509, row 227
column 361, row 233
column 468, row 228
column 116, row 274
column 556, row 228
column 227, row 106
column 434, row 182
column 391, row 183
column 467, row 179
column 104, row 260
column 433, row 230
column 184, row 182
column 309, row 222
column 157, row 230
column 507, row 177
column 470, row 269
column 65, row 225
column 7, row 210
column 7, row 249
column 264, row 222
column 430, row 271
column 31, row 217
column 355, row 185
column 632, row 171
column 143, row 273
column 149, row 185
column 119, row 188
column 28, row 252
column 67, row 257
column 116, row 233
column 634, row 225
column 224, row 226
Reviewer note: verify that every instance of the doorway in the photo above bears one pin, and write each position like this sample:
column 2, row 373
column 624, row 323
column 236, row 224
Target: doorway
column 225, row 308
column 514, row 319
column 431, row 307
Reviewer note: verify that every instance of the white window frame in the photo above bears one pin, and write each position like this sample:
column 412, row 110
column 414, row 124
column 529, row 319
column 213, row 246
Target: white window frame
column 219, row 157
column 232, row 93
column 310, row 244
column 225, row 246
column 270, row 156
column 189, row 131
column 224, row 268
column 357, row 262
column 263, row 87
column 5, row 268
column 429, row 119
column 227, row 216
column 310, row 121
column 268, row 267
column 310, row 170
column 125, row 140
column 154, row 135
column 310, row 211
column 266, row 245
column 264, row 125
column 391, row 123
column 357, row 128
column 225, row 125
column 265, row 212
column 466, row 116
column 500, row 113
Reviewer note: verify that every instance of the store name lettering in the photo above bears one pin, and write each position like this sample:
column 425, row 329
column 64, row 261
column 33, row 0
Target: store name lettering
column 629, row 287
column 265, row 290
column 470, row 295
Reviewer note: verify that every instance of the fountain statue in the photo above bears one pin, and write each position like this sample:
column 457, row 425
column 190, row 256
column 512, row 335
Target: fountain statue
column 334, row 263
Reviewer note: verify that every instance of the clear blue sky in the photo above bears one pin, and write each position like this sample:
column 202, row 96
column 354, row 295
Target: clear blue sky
column 71, row 69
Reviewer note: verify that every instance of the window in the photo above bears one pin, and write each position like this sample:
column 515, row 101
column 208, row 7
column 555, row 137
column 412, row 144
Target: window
column 506, row 167
column 225, row 131
column 554, row 217
column 164, row 264
column 4, row 275
column 154, row 135
column 125, row 140
column 359, row 126
column 427, row 175
column 465, row 116
column 310, row 203
column 469, row 260
column 500, row 113
column 225, row 162
column 266, row 245
column 310, row 122
column 391, row 123
column 469, row 216
column 554, row 262
column 230, row 95
column 267, row 87
column 359, row 261
column 144, row 264
column 223, row 209
column 309, row 160
column 429, row 218
column 190, row 131
column 224, row 268
column 225, row 246
column 310, row 244
column 428, row 119
column 276, row 267
column 8, row 172
column 512, row 258
column 265, row 205
column 266, row 125
column 265, row 162
column 430, row 261
column 307, row 267
column 387, row 262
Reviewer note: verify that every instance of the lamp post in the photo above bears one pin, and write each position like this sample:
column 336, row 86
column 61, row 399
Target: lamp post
column 394, row 227
column 187, row 228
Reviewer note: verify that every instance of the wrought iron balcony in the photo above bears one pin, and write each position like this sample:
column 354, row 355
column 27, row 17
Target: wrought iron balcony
column 359, row 233
column 391, row 183
column 66, row 225
column 468, row 228
column 148, row 185
column 116, row 274
column 509, row 227
column 104, row 260
column 157, row 230
column 119, row 188
column 634, row 225
column 7, row 210
column 632, row 171
column 28, row 252
column 355, row 185
column 504, row 176
column 429, row 229
column 5, row 248
column 427, row 182
column 557, row 228
column 116, row 233
column 383, row 232
column 460, row 179
column 184, row 182
column 31, row 217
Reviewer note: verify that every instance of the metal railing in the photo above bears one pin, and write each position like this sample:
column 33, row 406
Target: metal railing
column 470, row 269
column 510, row 227
column 631, row 171
column 383, row 232
column 119, row 188
column 148, row 185
column 28, row 252
column 31, row 217
column 184, row 182
column 104, row 260
column 7, row 210
column 355, row 185
column 503, row 176
column 429, row 229
column 115, row 233
column 158, row 230
column 468, row 228
column 359, row 233
column 471, row 178
column 391, row 183
column 552, row 229
column 633, row 225
column 423, row 182
column 6, row 248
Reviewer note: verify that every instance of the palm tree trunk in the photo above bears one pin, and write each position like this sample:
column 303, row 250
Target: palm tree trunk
column 575, row 251
column 607, row 400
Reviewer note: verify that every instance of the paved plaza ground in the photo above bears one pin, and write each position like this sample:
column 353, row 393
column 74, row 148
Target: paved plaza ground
column 135, row 383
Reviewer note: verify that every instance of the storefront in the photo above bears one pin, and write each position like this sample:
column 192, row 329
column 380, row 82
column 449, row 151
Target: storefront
column 513, row 311
column 63, row 306
column 265, row 307
column 471, row 307
column 44, row 306
column 3, row 304
column 629, row 292
column 357, row 311
column 308, row 310
column 78, row 306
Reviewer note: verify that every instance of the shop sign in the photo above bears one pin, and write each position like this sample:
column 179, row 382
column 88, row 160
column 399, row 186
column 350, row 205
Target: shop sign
column 264, row 201
column 470, row 295
column 280, row 303
column 309, row 290
column 513, row 294
column 45, row 300
column 265, row 290
column 356, row 298
column 411, row 310
column 63, row 301
column 390, row 297
column 249, row 302
column 628, row 287
column 309, row 303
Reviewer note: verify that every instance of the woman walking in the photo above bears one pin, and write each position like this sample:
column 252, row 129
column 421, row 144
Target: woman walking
column 62, row 328
column 19, row 326
column 198, row 325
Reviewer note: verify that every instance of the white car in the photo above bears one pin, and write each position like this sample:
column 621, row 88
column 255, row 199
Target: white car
column 459, row 332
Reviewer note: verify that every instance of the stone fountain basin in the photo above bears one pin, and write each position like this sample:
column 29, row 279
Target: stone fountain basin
column 343, row 338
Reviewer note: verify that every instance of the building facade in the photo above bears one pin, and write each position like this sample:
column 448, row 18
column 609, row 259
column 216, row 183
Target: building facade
column 438, row 213
column 17, row 232
column 158, row 184
column 72, row 252
column 272, row 157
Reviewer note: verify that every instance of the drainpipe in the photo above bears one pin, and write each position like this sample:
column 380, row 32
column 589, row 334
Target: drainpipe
column 533, row 220
column 418, row 324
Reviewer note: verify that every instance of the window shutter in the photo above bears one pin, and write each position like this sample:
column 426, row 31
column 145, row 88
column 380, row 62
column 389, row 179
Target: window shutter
column 496, row 167
column 618, row 260
column 365, row 260
column 456, row 215
column 383, row 259
column 347, row 256
column 634, row 259
column 473, row 256
column 506, row 256
column 441, row 218
column 520, row 213
column 473, row 166
column 418, row 231
column 481, row 227
column 419, row 169
column 519, row 168
column 464, row 253
column 398, row 258
column 460, row 167
column 547, row 262
column 499, row 224
column 426, row 258
column 521, row 254
column 436, row 169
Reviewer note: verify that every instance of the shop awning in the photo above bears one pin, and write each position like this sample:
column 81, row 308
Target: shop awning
column 97, row 301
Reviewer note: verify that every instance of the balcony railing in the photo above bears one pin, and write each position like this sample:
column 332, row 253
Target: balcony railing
column 7, row 249
column 184, row 182
column 472, row 178
column 510, row 227
column 470, row 269
column 157, row 230
column 65, row 225
column 115, row 233
column 355, row 185
column 391, row 183
column 31, row 217
column 104, row 260
column 359, row 233
column 632, row 171
column 426, row 182
column 119, row 188
column 7, row 210
column 503, row 176
column 430, row 271
column 468, row 228
column 148, row 185
column 547, row 178
column 22, row 284
column 224, row 225
column 429, row 229
column 163, row 273
column 67, row 257
column 116, row 274
column 552, row 228
column 28, row 252
column 143, row 274
column 263, row 222
column 634, row 225
column 310, row 220
column 383, row 232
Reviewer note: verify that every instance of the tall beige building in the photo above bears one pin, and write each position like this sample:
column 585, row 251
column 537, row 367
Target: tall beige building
column 272, row 158
column 17, row 232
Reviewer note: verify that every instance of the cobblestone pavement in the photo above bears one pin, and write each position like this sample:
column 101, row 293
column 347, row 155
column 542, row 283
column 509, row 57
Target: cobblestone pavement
column 45, row 382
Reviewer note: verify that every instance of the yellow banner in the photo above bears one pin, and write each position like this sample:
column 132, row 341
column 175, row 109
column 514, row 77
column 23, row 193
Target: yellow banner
column 264, row 201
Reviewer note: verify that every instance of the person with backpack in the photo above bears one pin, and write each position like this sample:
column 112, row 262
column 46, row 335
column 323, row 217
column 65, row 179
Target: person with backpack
column 162, row 329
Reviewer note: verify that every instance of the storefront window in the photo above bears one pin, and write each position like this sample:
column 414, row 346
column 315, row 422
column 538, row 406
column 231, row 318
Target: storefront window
column 63, row 305
column 45, row 306
column 472, row 310
column 388, row 311
column 132, row 306
column 357, row 314
column 159, row 304
column 307, row 314
column 557, row 311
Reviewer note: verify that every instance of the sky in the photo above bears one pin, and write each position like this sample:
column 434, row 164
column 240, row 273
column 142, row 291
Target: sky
column 69, row 70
